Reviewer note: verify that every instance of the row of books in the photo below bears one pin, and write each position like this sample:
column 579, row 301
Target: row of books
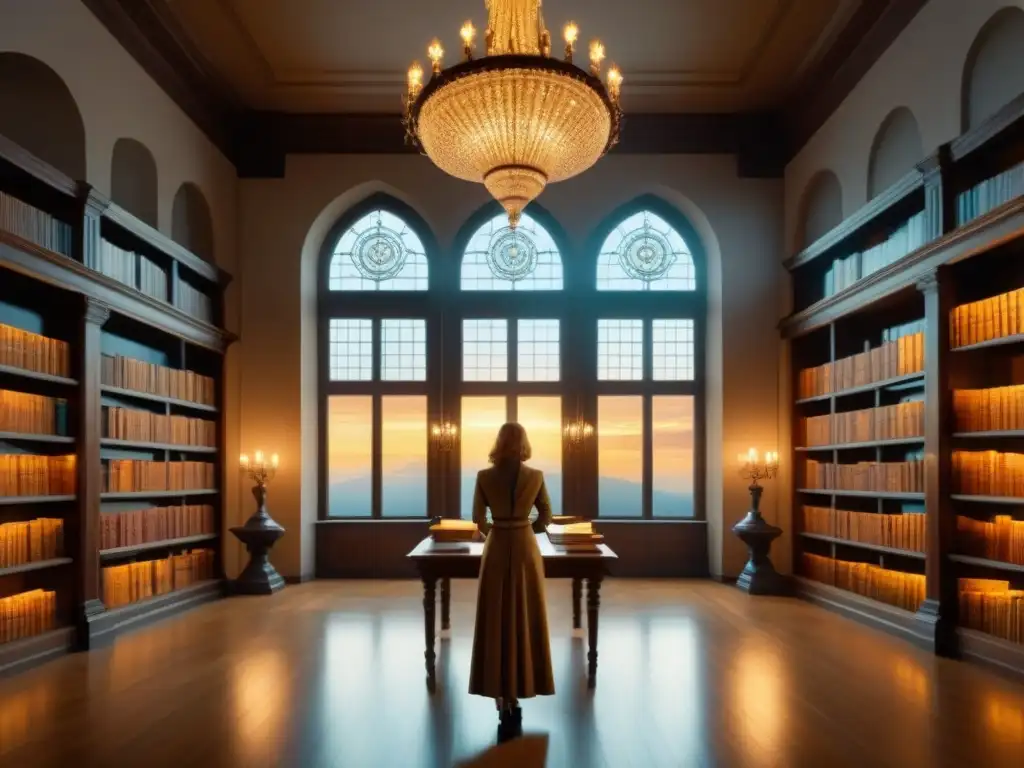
column 143, row 526
column 1001, row 539
column 990, row 194
column 130, row 268
column 29, row 223
column 32, row 414
column 903, row 590
column 988, row 473
column 128, row 475
column 33, row 352
column 194, row 302
column 31, row 542
column 846, row 271
column 881, row 476
column 128, row 373
column 149, row 427
column 993, row 409
column 899, row 357
column 29, row 475
column 993, row 318
column 132, row 582
column 27, row 614
column 887, row 422
column 906, row 531
column 990, row 606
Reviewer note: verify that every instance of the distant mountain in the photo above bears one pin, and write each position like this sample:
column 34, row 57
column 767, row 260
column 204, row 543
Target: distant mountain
column 406, row 497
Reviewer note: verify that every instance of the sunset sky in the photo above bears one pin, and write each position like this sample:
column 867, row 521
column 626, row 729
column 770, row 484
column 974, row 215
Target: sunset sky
column 405, row 442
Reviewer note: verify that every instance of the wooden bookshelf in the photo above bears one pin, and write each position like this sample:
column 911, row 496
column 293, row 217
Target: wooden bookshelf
column 960, row 276
column 83, row 282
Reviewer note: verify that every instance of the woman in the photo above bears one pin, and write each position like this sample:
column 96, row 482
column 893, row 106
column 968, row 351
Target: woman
column 511, row 649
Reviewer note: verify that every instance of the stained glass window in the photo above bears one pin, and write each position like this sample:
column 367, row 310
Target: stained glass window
column 379, row 253
column 501, row 259
column 645, row 253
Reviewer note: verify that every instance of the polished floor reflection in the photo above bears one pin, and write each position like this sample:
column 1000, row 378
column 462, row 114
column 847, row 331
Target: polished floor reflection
column 331, row 674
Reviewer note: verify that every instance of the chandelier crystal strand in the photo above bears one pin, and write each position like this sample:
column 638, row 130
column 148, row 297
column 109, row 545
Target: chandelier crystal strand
column 518, row 118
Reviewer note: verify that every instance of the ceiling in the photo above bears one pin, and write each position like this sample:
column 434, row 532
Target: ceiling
column 351, row 55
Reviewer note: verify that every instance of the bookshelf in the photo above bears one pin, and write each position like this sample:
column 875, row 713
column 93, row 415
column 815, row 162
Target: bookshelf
column 111, row 430
column 909, row 476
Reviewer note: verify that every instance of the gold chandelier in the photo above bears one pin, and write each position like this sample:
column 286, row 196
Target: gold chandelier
column 516, row 119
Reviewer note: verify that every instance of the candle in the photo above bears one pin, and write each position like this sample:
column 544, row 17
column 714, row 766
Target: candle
column 274, row 461
column 243, row 461
column 752, row 456
column 259, row 457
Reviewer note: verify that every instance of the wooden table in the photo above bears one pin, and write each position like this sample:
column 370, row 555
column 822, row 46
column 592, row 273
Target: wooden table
column 438, row 564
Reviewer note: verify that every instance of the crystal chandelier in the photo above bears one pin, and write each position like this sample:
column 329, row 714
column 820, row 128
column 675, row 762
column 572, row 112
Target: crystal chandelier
column 516, row 119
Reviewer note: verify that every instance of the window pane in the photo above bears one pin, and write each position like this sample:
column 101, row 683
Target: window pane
column 500, row 259
column 672, row 438
column 620, row 456
column 542, row 419
column 404, row 456
column 620, row 350
column 672, row 354
column 644, row 253
column 378, row 253
column 538, row 351
column 481, row 419
column 403, row 351
column 351, row 349
column 349, row 456
column 485, row 350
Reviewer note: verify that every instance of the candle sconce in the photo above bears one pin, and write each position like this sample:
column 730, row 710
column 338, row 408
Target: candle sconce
column 445, row 436
column 260, row 532
column 759, row 576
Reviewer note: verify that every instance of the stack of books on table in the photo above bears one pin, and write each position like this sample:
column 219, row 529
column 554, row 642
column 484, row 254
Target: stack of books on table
column 574, row 537
column 451, row 534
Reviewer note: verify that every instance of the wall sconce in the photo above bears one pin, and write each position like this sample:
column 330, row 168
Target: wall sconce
column 260, row 531
column 577, row 432
column 759, row 576
column 444, row 435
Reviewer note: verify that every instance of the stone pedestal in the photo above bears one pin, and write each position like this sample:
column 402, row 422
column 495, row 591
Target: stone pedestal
column 759, row 576
column 258, row 534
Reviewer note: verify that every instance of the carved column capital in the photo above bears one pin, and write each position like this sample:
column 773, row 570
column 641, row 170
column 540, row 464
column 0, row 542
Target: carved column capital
column 96, row 312
column 928, row 283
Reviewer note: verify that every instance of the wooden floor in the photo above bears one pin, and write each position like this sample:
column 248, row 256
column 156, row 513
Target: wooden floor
column 331, row 674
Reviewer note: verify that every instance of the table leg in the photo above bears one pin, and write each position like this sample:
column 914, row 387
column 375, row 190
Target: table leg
column 429, row 619
column 577, row 599
column 446, row 604
column 593, row 607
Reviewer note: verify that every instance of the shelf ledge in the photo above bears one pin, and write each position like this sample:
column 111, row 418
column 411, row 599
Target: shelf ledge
column 908, row 496
column 884, row 384
column 38, row 565
column 1010, row 500
column 15, row 500
column 983, row 562
column 25, row 373
column 109, row 442
column 132, row 549
column 106, row 389
column 862, row 545
column 867, row 444
column 118, row 495
column 30, row 437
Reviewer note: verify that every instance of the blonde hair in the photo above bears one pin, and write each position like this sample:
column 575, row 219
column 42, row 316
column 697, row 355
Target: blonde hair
column 511, row 443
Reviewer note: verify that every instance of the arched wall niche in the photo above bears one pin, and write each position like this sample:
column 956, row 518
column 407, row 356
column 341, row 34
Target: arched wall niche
column 993, row 73
column 821, row 208
column 38, row 112
column 133, row 180
column 897, row 148
column 191, row 223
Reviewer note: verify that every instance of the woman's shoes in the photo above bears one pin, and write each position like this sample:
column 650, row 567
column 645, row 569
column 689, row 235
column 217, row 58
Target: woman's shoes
column 510, row 723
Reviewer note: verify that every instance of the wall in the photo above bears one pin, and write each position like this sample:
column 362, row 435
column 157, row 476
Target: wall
column 922, row 71
column 286, row 220
column 117, row 99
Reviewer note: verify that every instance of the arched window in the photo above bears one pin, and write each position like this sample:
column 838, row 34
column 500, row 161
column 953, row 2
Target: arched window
column 379, row 252
column 645, row 253
column 377, row 381
column 498, row 258
column 646, row 394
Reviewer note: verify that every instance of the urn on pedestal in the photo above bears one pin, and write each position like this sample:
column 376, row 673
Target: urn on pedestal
column 259, row 533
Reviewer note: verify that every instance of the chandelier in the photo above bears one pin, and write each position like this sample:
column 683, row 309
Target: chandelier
column 516, row 119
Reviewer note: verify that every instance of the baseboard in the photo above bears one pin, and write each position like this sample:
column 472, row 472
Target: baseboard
column 995, row 653
column 20, row 655
column 864, row 610
column 302, row 579
column 722, row 579
column 102, row 628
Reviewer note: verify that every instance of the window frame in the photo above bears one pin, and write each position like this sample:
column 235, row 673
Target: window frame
column 375, row 306
column 577, row 307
